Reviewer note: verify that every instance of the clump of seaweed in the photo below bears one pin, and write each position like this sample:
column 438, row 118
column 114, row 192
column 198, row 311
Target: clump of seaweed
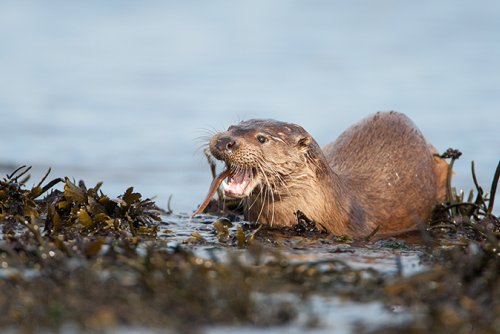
column 76, row 208
column 471, row 218
column 89, row 211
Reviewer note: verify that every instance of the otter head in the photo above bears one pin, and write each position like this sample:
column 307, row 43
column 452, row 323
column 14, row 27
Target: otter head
column 262, row 155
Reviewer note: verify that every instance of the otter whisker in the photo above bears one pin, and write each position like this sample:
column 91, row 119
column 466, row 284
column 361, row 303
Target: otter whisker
column 206, row 135
column 265, row 196
column 211, row 131
column 203, row 138
column 274, row 171
column 250, row 206
column 262, row 195
column 203, row 147
column 277, row 176
column 271, row 187
column 270, row 192
column 259, row 195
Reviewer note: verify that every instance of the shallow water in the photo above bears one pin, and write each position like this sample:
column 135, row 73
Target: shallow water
column 318, row 313
column 337, row 316
column 179, row 228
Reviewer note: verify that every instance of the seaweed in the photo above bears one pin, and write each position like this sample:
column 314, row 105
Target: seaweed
column 471, row 217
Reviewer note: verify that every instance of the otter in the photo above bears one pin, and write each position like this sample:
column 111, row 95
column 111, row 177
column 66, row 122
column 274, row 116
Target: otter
column 378, row 174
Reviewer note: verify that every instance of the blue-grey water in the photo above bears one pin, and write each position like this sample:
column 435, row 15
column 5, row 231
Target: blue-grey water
column 119, row 91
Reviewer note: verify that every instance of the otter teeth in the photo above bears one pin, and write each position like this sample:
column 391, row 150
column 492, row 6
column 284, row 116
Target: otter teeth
column 239, row 184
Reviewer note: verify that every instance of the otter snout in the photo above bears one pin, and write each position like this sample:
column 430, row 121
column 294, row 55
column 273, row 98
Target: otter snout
column 222, row 145
column 226, row 143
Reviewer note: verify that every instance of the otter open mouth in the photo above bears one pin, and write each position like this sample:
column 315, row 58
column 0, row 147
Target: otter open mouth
column 239, row 184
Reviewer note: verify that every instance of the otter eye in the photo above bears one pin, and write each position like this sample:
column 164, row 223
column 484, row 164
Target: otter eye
column 261, row 139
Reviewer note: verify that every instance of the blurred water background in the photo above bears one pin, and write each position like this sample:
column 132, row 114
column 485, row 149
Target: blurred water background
column 119, row 91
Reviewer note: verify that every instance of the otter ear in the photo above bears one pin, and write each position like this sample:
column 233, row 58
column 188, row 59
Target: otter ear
column 303, row 142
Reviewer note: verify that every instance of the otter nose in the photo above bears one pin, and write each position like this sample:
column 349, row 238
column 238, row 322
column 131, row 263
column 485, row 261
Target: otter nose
column 227, row 143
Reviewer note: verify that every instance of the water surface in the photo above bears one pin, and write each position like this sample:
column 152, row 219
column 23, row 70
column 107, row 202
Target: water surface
column 119, row 91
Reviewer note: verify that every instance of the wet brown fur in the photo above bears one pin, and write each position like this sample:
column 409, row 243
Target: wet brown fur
column 379, row 172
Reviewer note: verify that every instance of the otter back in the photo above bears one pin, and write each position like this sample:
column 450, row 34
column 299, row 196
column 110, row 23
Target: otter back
column 390, row 168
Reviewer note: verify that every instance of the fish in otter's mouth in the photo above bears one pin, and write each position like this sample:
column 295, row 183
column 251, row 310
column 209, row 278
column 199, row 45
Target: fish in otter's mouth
column 237, row 182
